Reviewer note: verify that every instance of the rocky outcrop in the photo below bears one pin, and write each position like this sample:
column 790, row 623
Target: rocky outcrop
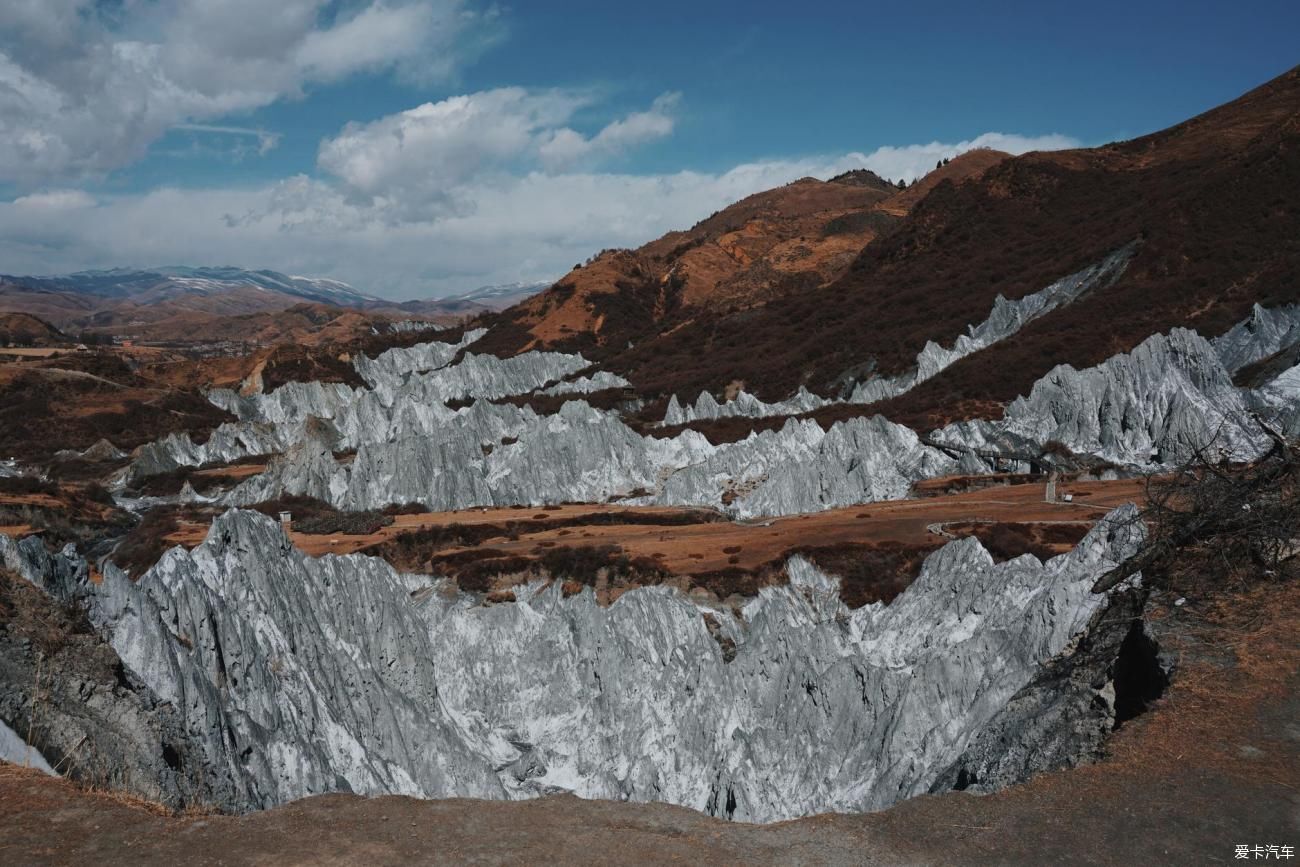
column 1153, row 406
column 485, row 454
column 490, row 454
column 1265, row 332
column 68, row 693
column 15, row 750
column 1006, row 318
column 408, row 326
column 409, row 388
column 392, row 365
column 802, row 468
column 743, row 404
column 297, row 675
column 598, row 381
column 1062, row 717
column 1272, row 334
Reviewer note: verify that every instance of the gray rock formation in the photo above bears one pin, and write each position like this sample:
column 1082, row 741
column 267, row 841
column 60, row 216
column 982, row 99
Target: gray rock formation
column 482, row 455
column 598, row 381
column 1156, row 405
column 297, row 675
column 1265, row 332
column 1272, row 334
column 64, row 688
column 409, row 326
column 1006, row 318
column 1153, row 406
column 489, row 454
column 1063, row 716
column 743, row 404
column 409, row 388
column 802, row 468
column 16, row 751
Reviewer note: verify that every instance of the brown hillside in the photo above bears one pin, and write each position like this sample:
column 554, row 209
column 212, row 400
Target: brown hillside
column 26, row 330
column 798, row 236
column 306, row 323
column 1215, row 202
column 971, row 164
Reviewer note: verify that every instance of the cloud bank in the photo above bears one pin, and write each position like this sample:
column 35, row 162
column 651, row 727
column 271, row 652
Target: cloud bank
column 486, row 187
column 85, row 87
column 507, row 227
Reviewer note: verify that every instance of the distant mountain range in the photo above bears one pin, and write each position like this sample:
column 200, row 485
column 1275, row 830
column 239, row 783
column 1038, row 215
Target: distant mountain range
column 176, row 281
column 502, row 296
column 174, row 301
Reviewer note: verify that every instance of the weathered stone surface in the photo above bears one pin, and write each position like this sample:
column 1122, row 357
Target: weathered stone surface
column 1155, row 405
column 1264, row 332
column 598, row 381
column 1062, row 717
column 297, row 675
column 65, row 689
column 1006, row 318
column 1172, row 395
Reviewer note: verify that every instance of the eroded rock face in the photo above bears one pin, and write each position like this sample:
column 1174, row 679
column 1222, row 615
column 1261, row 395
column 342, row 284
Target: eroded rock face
column 407, row 395
column 598, row 381
column 802, row 468
column 298, row 675
column 64, row 689
column 1156, row 405
column 490, row 454
column 1265, row 332
column 1006, row 318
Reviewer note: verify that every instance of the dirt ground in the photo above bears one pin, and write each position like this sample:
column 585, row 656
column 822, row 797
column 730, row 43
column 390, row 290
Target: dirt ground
column 709, row 545
column 1215, row 764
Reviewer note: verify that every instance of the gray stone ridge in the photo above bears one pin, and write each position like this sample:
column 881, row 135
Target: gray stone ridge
column 431, row 429
column 295, row 675
column 1004, row 321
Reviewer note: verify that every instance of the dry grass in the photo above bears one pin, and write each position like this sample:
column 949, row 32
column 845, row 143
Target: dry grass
column 1239, row 653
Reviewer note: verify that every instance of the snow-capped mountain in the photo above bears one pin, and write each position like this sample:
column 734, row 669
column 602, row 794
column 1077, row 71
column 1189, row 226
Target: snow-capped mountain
column 167, row 283
column 502, row 296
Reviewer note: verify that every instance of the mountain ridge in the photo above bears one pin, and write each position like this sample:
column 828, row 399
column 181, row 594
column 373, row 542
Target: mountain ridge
column 1189, row 196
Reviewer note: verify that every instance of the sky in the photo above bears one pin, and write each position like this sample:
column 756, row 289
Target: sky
column 419, row 148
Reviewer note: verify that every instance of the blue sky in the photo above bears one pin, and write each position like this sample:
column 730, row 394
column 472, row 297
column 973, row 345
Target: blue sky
column 421, row 147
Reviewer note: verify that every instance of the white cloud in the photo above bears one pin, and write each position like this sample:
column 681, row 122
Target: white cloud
column 562, row 148
column 266, row 140
column 55, row 200
column 416, row 164
column 913, row 161
column 534, row 224
column 86, row 87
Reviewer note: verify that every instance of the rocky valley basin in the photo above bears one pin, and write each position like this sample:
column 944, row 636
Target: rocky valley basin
column 947, row 516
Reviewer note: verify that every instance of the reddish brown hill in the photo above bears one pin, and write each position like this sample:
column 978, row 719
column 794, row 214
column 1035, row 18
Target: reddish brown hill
column 304, row 323
column 1215, row 202
column 798, row 236
column 23, row 329
column 971, row 164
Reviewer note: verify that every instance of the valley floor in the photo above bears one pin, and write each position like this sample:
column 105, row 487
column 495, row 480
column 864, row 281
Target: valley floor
column 697, row 549
column 1215, row 764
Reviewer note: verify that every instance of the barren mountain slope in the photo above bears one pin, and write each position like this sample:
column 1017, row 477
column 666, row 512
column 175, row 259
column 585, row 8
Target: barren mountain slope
column 793, row 237
column 28, row 330
column 1213, row 203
